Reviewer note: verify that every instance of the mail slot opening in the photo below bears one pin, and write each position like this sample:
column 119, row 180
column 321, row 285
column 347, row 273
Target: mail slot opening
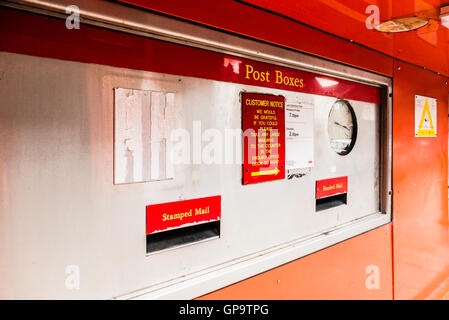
column 330, row 193
column 331, row 202
column 182, row 236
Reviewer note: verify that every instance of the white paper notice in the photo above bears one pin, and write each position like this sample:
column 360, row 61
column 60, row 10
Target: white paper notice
column 425, row 117
column 299, row 136
column 142, row 125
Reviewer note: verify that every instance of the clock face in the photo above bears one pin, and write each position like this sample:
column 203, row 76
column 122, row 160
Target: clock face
column 342, row 127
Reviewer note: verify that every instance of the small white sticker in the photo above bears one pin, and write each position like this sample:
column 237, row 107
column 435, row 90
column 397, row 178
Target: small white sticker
column 425, row 117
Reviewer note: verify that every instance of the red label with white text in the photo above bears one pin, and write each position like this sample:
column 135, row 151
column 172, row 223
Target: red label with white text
column 163, row 216
column 331, row 187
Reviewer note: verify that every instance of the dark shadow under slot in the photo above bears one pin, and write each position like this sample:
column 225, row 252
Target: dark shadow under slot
column 178, row 237
column 331, row 202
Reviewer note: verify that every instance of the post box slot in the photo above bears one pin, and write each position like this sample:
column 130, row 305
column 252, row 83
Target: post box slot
column 331, row 202
column 182, row 236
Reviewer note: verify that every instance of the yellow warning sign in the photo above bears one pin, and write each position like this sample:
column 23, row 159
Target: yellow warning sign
column 425, row 116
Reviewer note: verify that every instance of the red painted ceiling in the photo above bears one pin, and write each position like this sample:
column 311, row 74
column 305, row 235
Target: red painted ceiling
column 427, row 47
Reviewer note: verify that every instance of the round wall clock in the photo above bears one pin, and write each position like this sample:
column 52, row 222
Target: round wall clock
column 342, row 127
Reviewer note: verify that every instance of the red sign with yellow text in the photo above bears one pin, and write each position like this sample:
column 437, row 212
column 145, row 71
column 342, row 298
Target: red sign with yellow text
column 163, row 216
column 331, row 187
column 263, row 125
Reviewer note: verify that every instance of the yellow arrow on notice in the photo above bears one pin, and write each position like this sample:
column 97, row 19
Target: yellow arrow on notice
column 265, row 173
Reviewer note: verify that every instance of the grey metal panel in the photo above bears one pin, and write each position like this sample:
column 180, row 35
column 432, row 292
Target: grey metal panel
column 61, row 207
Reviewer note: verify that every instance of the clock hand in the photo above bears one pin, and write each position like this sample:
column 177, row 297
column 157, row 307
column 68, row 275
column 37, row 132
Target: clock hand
column 341, row 125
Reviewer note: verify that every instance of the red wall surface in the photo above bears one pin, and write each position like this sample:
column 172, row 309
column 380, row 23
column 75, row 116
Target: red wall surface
column 420, row 212
column 413, row 252
column 338, row 272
